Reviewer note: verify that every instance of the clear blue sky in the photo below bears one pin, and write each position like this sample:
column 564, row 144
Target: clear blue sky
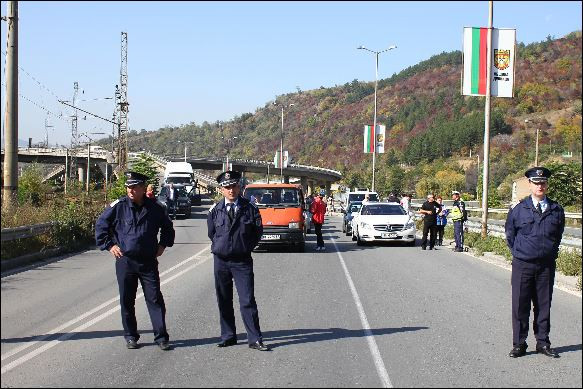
column 197, row 61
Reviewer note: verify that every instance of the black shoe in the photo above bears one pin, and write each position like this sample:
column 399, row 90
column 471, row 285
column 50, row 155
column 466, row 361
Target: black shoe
column 548, row 351
column 227, row 343
column 164, row 345
column 132, row 344
column 518, row 351
column 431, row 248
column 259, row 346
column 423, row 248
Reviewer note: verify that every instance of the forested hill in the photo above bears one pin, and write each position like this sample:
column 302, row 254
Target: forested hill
column 426, row 117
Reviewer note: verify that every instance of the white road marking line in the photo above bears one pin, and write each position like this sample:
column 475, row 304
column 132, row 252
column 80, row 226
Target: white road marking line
column 63, row 337
column 372, row 344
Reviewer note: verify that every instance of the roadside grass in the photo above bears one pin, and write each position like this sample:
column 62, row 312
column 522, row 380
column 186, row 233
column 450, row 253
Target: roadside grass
column 75, row 228
column 568, row 262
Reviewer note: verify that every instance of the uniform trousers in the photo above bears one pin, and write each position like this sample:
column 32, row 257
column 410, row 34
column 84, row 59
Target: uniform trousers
column 532, row 282
column 458, row 234
column 129, row 271
column 432, row 229
column 242, row 272
column 319, row 238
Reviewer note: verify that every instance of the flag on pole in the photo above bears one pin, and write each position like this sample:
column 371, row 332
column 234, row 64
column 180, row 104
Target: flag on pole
column 277, row 160
column 475, row 62
column 371, row 139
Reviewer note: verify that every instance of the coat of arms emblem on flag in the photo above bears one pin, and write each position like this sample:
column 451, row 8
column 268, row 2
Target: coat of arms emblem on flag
column 501, row 59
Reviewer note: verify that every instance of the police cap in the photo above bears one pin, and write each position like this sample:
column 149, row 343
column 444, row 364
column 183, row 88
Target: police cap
column 228, row 178
column 538, row 174
column 135, row 178
column 455, row 192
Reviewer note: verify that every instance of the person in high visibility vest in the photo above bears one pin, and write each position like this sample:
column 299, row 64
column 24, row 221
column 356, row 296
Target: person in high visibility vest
column 458, row 216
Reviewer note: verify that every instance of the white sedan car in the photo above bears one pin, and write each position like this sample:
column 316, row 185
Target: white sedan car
column 383, row 222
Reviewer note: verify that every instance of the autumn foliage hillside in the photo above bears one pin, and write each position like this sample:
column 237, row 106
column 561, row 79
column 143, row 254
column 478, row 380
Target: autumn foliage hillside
column 430, row 126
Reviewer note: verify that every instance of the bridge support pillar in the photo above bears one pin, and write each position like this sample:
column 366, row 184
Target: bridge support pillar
column 81, row 172
column 327, row 185
column 304, row 183
column 286, row 179
column 311, row 187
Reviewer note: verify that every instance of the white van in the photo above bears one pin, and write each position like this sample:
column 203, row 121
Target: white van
column 180, row 173
column 359, row 196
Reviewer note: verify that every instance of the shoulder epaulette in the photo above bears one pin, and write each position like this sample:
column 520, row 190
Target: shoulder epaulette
column 212, row 207
column 113, row 204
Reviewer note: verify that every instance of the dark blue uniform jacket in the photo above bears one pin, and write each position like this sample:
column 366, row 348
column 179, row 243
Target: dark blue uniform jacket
column 533, row 237
column 136, row 233
column 236, row 241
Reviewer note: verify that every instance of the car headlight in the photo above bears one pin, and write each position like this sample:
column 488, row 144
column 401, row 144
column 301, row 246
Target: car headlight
column 409, row 225
column 364, row 225
column 294, row 225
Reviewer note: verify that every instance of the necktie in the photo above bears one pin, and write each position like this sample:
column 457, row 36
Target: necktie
column 539, row 208
column 231, row 213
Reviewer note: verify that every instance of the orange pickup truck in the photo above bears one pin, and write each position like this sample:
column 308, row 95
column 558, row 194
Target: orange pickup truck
column 282, row 211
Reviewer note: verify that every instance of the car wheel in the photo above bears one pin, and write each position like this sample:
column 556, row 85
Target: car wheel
column 359, row 242
column 353, row 234
column 301, row 247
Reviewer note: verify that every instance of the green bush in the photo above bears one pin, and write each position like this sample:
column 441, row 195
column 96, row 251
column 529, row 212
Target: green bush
column 569, row 262
column 75, row 223
column 31, row 188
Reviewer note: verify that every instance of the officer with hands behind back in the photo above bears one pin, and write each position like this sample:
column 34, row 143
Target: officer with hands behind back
column 534, row 228
column 128, row 229
column 234, row 228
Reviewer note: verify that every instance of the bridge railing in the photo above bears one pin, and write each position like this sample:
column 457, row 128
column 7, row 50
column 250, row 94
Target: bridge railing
column 23, row 232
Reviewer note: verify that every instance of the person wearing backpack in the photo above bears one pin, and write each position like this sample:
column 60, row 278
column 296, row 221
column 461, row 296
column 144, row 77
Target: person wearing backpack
column 458, row 215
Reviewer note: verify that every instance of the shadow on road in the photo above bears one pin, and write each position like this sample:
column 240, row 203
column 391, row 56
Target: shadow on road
column 72, row 336
column 289, row 337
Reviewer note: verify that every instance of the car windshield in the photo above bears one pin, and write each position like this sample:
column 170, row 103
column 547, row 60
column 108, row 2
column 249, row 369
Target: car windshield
column 360, row 196
column 383, row 209
column 287, row 197
column 178, row 180
column 355, row 207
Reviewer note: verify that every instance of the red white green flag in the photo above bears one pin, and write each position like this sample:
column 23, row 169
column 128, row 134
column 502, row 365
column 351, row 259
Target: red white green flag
column 374, row 138
column 475, row 61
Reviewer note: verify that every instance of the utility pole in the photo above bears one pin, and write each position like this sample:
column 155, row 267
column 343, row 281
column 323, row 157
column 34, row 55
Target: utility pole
column 487, row 122
column 536, row 149
column 10, row 187
column 74, row 132
column 123, row 105
column 47, row 126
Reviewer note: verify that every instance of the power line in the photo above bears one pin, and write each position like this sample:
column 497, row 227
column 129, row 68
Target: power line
column 42, row 86
column 60, row 115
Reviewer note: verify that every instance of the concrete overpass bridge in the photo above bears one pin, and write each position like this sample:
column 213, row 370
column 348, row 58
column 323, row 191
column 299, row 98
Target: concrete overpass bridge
column 61, row 156
column 309, row 176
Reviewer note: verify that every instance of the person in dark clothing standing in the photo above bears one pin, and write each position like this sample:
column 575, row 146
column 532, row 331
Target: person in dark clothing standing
column 128, row 229
column 534, row 228
column 430, row 209
column 235, row 228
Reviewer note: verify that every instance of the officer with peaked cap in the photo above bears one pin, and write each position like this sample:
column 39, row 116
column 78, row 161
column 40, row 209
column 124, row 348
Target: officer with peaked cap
column 129, row 228
column 534, row 228
column 234, row 227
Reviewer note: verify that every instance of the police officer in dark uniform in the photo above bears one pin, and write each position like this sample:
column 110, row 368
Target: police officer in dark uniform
column 234, row 227
column 128, row 229
column 534, row 228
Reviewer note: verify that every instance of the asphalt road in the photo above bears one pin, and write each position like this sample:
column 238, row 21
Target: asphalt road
column 382, row 315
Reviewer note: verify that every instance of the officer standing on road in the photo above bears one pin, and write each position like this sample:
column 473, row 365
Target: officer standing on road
column 458, row 215
column 534, row 228
column 128, row 229
column 234, row 228
column 429, row 209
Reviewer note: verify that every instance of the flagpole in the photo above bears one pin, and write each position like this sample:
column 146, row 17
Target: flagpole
column 487, row 123
column 374, row 128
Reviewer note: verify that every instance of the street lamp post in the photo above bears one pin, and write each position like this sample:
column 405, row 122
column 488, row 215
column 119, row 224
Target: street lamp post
column 281, row 142
column 536, row 145
column 229, row 146
column 89, row 156
column 185, row 143
column 374, row 151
